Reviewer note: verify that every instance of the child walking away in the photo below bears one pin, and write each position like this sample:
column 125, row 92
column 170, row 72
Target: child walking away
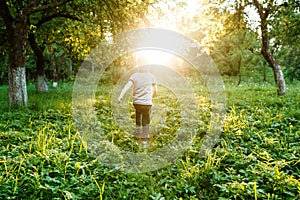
column 144, row 89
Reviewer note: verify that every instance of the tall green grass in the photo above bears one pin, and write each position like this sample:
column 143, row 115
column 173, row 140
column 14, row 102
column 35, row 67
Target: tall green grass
column 257, row 156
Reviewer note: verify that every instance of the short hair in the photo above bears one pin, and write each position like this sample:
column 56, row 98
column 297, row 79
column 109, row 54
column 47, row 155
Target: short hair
column 143, row 68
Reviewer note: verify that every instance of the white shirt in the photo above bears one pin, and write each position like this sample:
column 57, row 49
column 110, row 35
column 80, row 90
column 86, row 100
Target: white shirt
column 142, row 88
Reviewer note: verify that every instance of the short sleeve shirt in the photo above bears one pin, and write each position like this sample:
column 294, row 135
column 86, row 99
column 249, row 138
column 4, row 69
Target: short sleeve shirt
column 142, row 88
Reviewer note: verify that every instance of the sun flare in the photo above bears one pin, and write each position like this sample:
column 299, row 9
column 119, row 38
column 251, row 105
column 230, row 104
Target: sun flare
column 150, row 57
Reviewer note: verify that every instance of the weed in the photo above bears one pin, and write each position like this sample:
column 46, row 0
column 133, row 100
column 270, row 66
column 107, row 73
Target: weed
column 42, row 155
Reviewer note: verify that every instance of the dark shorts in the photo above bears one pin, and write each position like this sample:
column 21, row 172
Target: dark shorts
column 142, row 114
column 142, row 119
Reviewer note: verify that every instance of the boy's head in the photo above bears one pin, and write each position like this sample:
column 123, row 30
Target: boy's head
column 141, row 63
column 143, row 68
column 140, row 60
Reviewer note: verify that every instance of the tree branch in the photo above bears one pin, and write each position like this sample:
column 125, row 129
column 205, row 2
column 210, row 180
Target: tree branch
column 32, row 10
column 5, row 13
column 50, row 17
column 259, row 8
column 34, row 3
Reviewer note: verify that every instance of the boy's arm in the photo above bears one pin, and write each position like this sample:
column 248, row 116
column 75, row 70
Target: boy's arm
column 124, row 90
column 154, row 90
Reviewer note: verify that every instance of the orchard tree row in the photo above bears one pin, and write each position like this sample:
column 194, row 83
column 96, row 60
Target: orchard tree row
column 42, row 40
column 50, row 32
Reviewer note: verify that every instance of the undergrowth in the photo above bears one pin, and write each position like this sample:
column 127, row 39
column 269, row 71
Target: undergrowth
column 257, row 156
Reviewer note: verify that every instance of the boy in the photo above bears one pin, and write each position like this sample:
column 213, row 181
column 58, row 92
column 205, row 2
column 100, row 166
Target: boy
column 144, row 89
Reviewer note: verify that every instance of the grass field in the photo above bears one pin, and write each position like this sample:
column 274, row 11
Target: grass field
column 256, row 157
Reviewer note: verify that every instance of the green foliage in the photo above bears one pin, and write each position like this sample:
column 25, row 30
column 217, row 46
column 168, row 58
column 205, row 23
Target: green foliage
column 65, row 34
column 237, row 53
column 286, row 38
column 257, row 157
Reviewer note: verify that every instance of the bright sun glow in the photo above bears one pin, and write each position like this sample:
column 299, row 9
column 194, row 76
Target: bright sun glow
column 148, row 57
column 172, row 16
column 176, row 16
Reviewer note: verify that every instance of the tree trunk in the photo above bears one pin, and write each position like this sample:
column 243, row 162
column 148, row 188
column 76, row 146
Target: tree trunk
column 41, row 84
column 239, row 70
column 278, row 75
column 266, row 52
column 17, row 87
column 58, row 65
column 16, row 70
column 264, row 74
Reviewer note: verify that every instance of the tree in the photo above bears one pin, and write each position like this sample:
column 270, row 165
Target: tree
column 264, row 11
column 16, row 21
column 41, row 83
column 287, row 39
column 234, row 51
column 16, row 17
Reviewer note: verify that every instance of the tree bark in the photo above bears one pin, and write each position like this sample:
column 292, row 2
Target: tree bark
column 16, row 29
column 266, row 52
column 16, row 70
column 41, row 84
column 239, row 64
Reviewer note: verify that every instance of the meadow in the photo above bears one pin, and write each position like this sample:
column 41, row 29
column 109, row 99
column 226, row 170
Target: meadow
column 256, row 157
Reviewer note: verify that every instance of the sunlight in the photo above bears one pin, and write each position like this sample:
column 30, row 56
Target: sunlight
column 192, row 8
column 176, row 15
column 156, row 46
column 159, row 57
column 186, row 17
